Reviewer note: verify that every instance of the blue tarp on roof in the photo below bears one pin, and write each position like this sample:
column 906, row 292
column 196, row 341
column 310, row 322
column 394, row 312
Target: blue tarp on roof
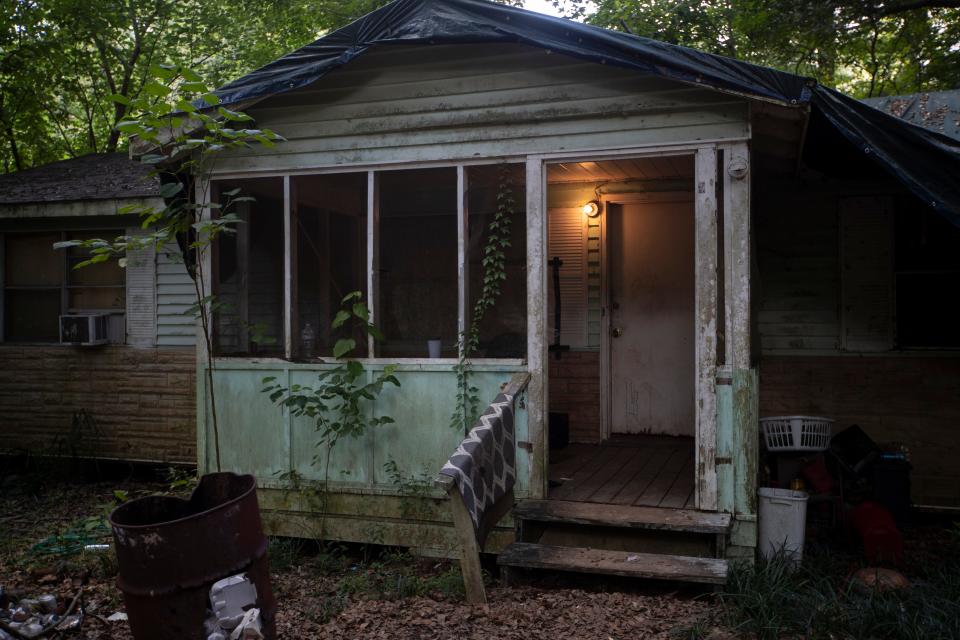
column 926, row 162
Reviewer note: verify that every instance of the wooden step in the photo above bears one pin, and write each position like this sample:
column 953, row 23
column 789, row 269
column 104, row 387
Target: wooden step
column 617, row 563
column 612, row 515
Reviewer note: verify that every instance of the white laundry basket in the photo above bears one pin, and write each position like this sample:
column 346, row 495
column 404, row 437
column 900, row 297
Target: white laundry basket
column 783, row 518
column 796, row 433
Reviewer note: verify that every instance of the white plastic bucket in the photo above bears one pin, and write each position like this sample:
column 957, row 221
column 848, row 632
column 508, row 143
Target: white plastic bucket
column 434, row 348
column 783, row 518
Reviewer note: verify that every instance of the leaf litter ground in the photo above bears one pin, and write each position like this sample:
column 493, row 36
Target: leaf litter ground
column 329, row 592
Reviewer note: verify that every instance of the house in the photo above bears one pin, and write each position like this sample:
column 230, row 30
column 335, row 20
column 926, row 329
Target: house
column 136, row 385
column 725, row 242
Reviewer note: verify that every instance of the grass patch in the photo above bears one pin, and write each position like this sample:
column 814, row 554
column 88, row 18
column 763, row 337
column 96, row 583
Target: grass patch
column 395, row 576
column 771, row 600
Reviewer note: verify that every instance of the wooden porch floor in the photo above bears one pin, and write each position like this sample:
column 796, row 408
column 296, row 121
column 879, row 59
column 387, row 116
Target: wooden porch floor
column 649, row 471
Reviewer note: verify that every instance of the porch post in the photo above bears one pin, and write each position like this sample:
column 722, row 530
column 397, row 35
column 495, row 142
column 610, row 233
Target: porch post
column 737, row 260
column 706, row 327
column 373, row 256
column 463, row 278
column 289, row 264
column 537, row 325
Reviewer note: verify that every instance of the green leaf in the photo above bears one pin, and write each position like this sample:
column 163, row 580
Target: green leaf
column 343, row 347
column 116, row 97
column 170, row 189
column 355, row 368
column 341, row 317
column 190, row 75
column 155, row 89
column 195, row 87
column 129, row 126
column 163, row 72
column 185, row 106
column 360, row 310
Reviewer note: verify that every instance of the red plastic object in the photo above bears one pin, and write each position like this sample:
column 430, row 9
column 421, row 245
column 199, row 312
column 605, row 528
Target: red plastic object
column 817, row 476
column 882, row 542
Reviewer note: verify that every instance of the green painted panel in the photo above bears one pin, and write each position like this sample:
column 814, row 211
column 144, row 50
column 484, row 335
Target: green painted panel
column 420, row 440
column 253, row 431
column 746, row 439
column 262, row 438
column 724, row 456
column 489, row 383
column 350, row 461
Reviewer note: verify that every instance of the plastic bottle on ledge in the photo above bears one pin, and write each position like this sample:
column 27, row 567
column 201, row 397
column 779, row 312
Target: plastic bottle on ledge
column 308, row 340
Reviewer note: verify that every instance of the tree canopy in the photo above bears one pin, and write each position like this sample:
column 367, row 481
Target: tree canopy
column 863, row 47
column 62, row 61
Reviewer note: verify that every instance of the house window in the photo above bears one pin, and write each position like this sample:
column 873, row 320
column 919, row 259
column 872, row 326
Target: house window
column 40, row 284
column 926, row 277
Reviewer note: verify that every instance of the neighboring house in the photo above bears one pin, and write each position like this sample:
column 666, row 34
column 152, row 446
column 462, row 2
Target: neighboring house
column 761, row 245
column 138, row 386
column 935, row 110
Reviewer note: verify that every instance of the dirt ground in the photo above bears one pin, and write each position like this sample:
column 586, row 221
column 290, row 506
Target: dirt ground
column 327, row 592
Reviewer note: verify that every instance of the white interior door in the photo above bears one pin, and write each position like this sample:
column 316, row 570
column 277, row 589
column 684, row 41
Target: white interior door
column 651, row 279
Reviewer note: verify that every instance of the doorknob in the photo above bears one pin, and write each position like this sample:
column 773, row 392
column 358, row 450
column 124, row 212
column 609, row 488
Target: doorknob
column 616, row 332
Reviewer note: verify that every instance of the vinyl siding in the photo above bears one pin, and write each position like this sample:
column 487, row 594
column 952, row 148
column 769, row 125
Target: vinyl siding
column 176, row 326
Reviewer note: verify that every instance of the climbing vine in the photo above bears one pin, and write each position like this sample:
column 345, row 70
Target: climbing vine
column 494, row 273
column 337, row 405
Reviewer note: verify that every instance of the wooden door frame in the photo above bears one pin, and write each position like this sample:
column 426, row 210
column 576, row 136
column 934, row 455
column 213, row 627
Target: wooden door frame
column 606, row 358
column 707, row 284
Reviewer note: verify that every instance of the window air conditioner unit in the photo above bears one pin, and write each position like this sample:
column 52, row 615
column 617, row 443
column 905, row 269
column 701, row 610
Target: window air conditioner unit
column 84, row 329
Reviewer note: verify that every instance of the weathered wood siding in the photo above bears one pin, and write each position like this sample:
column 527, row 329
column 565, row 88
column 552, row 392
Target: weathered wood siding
column 798, row 256
column 141, row 399
column 432, row 103
column 826, row 326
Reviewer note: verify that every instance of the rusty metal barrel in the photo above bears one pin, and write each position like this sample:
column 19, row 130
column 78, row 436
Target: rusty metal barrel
column 170, row 551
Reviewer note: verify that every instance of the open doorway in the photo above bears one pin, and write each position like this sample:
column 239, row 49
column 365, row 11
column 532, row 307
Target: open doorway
column 621, row 237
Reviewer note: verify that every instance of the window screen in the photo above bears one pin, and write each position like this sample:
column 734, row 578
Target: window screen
column 331, row 215
column 503, row 330
column 248, row 264
column 418, row 262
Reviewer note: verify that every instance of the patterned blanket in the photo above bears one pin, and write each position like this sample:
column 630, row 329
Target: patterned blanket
column 484, row 466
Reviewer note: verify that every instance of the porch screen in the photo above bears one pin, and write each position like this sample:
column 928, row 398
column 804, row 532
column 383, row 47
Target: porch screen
column 248, row 269
column 493, row 189
column 417, row 298
column 330, row 216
